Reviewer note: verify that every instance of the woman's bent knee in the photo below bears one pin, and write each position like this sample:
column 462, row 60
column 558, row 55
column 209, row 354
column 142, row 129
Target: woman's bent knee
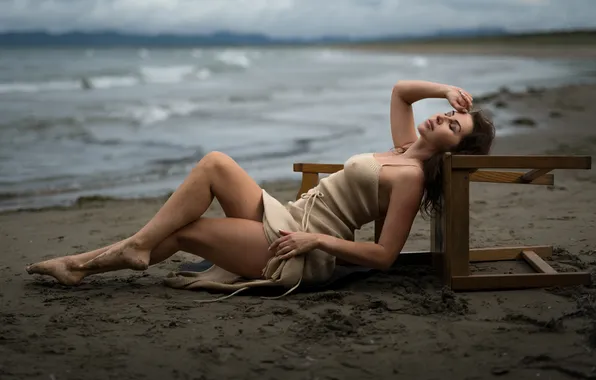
column 214, row 159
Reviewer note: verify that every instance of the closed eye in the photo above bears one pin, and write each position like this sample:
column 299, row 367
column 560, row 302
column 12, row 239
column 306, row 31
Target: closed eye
column 453, row 124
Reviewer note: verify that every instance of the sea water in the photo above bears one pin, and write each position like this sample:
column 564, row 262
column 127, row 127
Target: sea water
column 132, row 122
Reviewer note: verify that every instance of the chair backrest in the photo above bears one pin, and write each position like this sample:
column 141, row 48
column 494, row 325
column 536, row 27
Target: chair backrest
column 540, row 165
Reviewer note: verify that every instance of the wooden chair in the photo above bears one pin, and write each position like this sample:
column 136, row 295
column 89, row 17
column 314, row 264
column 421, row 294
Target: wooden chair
column 450, row 228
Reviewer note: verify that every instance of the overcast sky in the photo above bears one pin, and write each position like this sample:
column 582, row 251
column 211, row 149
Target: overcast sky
column 305, row 18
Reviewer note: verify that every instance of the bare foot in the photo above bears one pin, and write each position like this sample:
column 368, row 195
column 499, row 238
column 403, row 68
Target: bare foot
column 127, row 255
column 63, row 269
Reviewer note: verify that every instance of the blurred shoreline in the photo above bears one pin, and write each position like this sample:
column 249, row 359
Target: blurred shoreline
column 580, row 51
column 569, row 45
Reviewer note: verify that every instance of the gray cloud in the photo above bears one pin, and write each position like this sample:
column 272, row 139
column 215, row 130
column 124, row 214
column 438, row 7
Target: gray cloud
column 294, row 17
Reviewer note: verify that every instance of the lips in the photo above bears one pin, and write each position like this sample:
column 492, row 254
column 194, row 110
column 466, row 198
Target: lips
column 430, row 125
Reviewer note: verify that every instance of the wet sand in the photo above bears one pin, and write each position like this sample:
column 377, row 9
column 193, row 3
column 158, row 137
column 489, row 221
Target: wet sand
column 399, row 324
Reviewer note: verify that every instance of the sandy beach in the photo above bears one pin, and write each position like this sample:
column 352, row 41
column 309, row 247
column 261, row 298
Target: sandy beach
column 400, row 324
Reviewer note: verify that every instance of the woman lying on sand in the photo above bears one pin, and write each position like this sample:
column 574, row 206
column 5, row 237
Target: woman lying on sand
column 262, row 242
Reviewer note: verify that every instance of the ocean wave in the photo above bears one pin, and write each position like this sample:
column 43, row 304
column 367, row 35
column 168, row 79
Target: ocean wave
column 31, row 130
column 419, row 61
column 293, row 147
column 86, row 83
column 113, row 81
column 249, row 98
column 332, row 56
column 146, row 114
column 173, row 74
column 148, row 74
column 234, row 58
column 39, row 86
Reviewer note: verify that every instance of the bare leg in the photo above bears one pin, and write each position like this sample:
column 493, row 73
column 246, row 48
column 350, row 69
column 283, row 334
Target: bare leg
column 215, row 175
column 238, row 194
column 68, row 269
column 237, row 245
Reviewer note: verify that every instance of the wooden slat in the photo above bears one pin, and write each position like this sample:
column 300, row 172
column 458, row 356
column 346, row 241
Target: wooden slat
column 317, row 168
column 437, row 245
column 457, row 247
column 519, row 281
column 309, row 180
column 444, row 259
column 537, row 263
column 507, row 253
column 521, row 162
column 413, row 258
column 509, row 177
column 479, row 176
column 533, row 174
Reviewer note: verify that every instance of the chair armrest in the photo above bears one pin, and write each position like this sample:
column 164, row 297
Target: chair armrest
column 478, row 176
column 317, row 168
column 520, row 162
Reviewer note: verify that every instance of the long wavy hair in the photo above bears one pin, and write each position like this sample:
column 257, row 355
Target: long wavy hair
column 478, row 142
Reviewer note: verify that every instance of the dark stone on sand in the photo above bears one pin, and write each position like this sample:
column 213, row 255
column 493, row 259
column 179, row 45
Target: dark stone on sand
column 497, row 371
column 555, row 114
column 500, row 104
column 524, row 121
column 92, row 199
column 534, row 90
column 592, row 335
column 485, row 98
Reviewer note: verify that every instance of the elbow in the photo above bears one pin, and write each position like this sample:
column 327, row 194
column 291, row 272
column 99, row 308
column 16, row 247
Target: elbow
column 385, row 262
column 400, row 93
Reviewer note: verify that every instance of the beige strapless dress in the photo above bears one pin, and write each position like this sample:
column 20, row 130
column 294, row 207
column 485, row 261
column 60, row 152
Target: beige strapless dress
column 337, row 206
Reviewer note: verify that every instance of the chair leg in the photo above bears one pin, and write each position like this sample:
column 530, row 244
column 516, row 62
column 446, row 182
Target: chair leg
column 437, row 247
column 457, row 247
column 309, row 180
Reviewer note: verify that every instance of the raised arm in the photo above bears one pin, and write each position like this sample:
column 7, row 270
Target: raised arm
column 404, row 94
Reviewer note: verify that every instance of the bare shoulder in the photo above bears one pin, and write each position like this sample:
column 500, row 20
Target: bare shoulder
column 405, row 176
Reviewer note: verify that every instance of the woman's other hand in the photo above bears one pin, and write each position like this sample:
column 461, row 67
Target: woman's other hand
column 292, row 244
column 459, row 99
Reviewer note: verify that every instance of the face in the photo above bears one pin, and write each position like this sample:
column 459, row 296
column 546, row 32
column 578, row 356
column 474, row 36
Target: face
column 444, row 131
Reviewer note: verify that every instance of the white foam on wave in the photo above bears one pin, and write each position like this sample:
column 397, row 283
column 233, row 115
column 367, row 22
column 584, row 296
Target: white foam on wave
column 101, row 82
column 172, row 74
column 203, row 74
column 159, row 75
column 113, row 81
column 420, row 61
column 147, row 114
column 39, row 86
column 331, row 56
column 234, row 58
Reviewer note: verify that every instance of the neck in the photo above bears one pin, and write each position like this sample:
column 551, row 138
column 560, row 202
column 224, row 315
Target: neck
column 420, row 151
